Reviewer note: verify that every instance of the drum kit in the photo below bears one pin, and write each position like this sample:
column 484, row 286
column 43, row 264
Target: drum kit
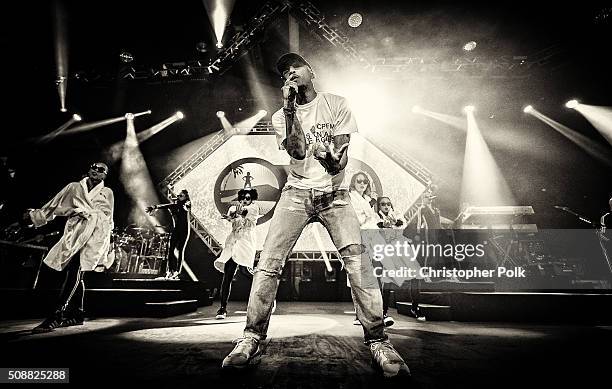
column 140, row 250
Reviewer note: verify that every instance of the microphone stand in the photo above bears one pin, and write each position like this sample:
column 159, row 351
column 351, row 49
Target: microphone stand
column 599, row 231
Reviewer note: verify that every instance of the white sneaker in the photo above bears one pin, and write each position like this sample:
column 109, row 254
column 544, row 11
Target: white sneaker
column 388, row 320
column 385, row 358
column 221, row 314
column 418, row 314
column 245, row 352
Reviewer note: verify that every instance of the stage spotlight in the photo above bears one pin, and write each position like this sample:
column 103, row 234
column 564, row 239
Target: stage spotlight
column 572, row 104
column 126, row 57
column 201, row 47
column 468, row 108
column 76, row 117
column 471, row 45
column 528, row 109
column 592, row 147
column 142, row 113
column 61, row 52
column 220, row 114
column 245, row 126
column 149, row 132
column 218, row 12
column 52, row 135
column 355, row 20
column 417, row 109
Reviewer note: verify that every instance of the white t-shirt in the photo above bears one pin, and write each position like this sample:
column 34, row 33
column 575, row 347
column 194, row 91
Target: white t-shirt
column 326, row 116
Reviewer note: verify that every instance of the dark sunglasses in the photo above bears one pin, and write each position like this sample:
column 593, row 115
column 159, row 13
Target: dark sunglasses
column 246, row 198
column 98, row 168
column 362, row 181
column 384, row 204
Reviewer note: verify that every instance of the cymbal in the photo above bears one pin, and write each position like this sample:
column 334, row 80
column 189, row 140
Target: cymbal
column 446, row 221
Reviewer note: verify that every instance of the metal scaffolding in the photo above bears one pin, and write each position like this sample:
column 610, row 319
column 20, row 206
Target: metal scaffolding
column 313, row 20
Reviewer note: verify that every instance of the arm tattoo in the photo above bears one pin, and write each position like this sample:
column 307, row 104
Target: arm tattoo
column 296, row 142
column 339, row 140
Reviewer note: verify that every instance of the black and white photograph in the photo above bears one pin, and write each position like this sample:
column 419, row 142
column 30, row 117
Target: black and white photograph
column 306, row 194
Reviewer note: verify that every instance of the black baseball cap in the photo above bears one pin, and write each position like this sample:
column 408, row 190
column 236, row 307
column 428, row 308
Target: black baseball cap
column 287, row 60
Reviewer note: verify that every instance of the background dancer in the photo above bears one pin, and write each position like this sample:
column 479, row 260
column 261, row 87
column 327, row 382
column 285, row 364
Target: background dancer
column 239, row 249
column 180, row 209
column 363, row 201
column 88, row 205
column 390, row 220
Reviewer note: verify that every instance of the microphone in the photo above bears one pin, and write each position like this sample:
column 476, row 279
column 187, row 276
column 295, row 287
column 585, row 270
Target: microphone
column 292, row 94
column 292, row 90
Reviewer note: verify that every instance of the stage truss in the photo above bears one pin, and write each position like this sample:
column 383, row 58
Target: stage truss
column 408, row 164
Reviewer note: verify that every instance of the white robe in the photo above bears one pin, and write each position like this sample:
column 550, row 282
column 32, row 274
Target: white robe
column 88, row 228
column 240, row 243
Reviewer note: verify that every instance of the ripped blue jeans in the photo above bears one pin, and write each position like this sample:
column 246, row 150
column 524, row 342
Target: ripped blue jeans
column 295, row 209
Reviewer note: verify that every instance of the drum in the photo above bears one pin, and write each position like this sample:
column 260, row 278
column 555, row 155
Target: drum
column 159, row 245
column 139, row 250
column 123, row 248
column 139, row 232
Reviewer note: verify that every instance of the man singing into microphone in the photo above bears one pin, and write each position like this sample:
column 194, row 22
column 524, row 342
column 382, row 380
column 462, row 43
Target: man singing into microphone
column 314, row 128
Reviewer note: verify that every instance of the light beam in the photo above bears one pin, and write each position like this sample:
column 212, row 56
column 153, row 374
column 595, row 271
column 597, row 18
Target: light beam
column 135, row 177
column 593, row 148
column 482, row 183
column 218, row 12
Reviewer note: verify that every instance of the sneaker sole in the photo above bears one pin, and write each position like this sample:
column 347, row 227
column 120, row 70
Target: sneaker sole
column 254, row 361
column 71, row 324
column 251, row 363
column 400, row 373
column 42, row 330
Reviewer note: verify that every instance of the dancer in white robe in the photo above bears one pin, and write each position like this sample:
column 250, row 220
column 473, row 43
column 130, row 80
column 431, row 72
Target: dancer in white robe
column 88, row 205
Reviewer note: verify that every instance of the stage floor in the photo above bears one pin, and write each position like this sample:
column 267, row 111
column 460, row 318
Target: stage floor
column 312, row 345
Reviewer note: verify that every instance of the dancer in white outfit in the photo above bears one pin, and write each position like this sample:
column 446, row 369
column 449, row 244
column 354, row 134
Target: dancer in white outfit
column 88, row 206
column 363, row 200
column 239, row 247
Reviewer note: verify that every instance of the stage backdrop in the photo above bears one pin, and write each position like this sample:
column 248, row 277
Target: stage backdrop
column 255, row 160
